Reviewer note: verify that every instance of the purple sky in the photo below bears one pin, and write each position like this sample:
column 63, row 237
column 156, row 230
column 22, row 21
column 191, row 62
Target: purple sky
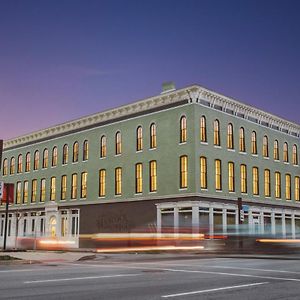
column 60, row 60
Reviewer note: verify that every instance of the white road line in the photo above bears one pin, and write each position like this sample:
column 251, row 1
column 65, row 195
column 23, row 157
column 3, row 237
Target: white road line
column 32, row 270
column 81, row 278
column 214, row 290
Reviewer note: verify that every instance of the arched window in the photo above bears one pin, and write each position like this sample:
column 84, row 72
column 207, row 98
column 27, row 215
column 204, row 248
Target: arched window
column 297, row 188
column 118, row 142
column 45, row 158
column 12, row 166
column 83, row 190
column 139, row 138
column 242, row 140
column 54, row 156
column 183, row 129
column 218, row 175
column 5, row 167
column 138, row 178
column 267, row 183
column 36, row 160
column 63, row 187
column 203, row 135
column 75, row 152
column 74, row 186
column 27, row 165
column 118, row 181
column 85, row 150
column 203, row 172
column 183, row 172
column 217, row 133
column 230, row 136
column 152, row 136
column 103, row 146
column 288, row 187
column 153, row 175
column 253, row 143
column 295, row 155
column 43, row 190
column 285, row 152
column 52, row 188
column 265, row 146
column 25, row 192
column 243, row 179
column 276, row 150
column 277, row 185
column 65, row 154
column 231, row 177
column 255, row 181
column 102, row 182
column 20, row 163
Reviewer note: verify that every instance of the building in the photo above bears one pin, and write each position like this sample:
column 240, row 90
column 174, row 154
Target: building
column 178, row 159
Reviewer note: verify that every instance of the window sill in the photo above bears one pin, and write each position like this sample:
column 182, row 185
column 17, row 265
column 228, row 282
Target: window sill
column 151, row 149
column 219, row 191
column 182, row 143
column 217, row 146
column 203, row 143
column 242, row 152
column 139, row 151
column 255, row 155
column 103, row 157
column 265, row 157
column 183, row 189
column 153, row 192
column 230, row 150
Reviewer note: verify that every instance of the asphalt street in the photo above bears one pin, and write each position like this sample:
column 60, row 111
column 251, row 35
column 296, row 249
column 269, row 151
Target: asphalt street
column 156, row 276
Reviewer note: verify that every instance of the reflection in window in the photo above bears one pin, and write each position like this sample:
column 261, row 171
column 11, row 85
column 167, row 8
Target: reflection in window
column 230, row 136
column 218, row 175
column 118, row 181
column 265, row 146
column 183, row 171
column 43, row 190
column 65, row 154
column 102, row 182
column 295, row 155
column 138, row 178
column 52, row 188
column 203, row 135
column 243, row 179
column 203, row 172
column 267, row 183
column 217, row 133
column 5, row 167
column 33, row 190
column 277, row 185
column 255, row 181
column 297, row 188
column 63, row 188
column 103, row 146
column 152, row 136
column 74, row 186
column 20, row 164
column 45, row 158
column 12, row 166
column 288, row 186
column 276, row 150
column 253, row 143
column 242, row 140
column 231, row 179
column 85, row 150
column 83, row 191
column 118, row 143
column 153, row 176
column 183, row 129
column 285, row 152
column 27, row 165
column 36, row 161
column 75, row 152
column 139, row 138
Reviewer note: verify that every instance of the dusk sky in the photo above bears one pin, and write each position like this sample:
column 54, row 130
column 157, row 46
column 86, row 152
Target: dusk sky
column 61, row 60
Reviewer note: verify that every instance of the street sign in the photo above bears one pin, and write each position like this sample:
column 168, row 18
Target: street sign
column 1, row 189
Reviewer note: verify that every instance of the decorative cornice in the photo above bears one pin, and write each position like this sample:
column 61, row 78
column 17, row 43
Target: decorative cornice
column 194, row 94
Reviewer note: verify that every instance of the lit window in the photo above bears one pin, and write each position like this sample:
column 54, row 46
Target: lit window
column 255, row 181
column 183, row 129
column 85, row 150
column 54, row 157
column 265, row 146
column 83, row 190
column 277, row 185
column 52, row 188
column 253, row 143
column 36, row 161
column 63, row 188
column 5, row 167
column 276, row 150
column 153, row 176
column 75, row 152
column 43, row 190
column 12, row 166
column 231, row 180
column 230, row 136
column 27, row 165
column 118, row 143
column 18, row 192
column 45, row 158
column 103, row 146
column 25, row 192
column 139, row 138
column 102, row 182
column 65, row 154
column 74, row 186
column 297, row 188
column 218, row 175
column 288, row 186
column 20, row 164
column 285, row 152
column 243, row 179
column 242, row 140
column 152, row 136
column 217, row 133
column 267, row 183
column 183, row 171
column 203, row 172
column 295, row 155
column 203, row 135
column 138, row 178
column 118, row 181
column 33, row 190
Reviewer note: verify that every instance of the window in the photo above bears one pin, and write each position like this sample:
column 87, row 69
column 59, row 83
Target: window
column 265, row 146
column 20, row 163
column 230, row 136
column 12, row 166
column 43, row 190
column 231, row 180
column 63, row 188
column 18, row 192
column 267, row 183
column 52, row 188
column 218, row 175
column 277, row 185
column 183, row 129
column 139, row 138
column 253, row 143
column 85, row 150
column 138, row 178
column 36, row 159
column 297, row 188
column 75, row 152
column 276, row 150
column 118, row 181
column 217, row 133
column 153, row 136
column 27, row 165
column 74, row 186
column 203, row 135
column 255, row 181
column 287, row 186
column 285, row 152
column 295, row 155
column 33, row 190
column 203, row 172
column 183, row 171
column 65, row 154
column 243, row 179
column 45, row 158
column 102, row 183
column 83, row 190
column 118, row 143
column 103, row 146
column 54, row 157
column 5, row 167
column 242, row 140
column 25, row 192
column 153, row 176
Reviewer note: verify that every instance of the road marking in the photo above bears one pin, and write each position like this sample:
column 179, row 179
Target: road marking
column 31, row 270
column 80, row 278
column 214, row 290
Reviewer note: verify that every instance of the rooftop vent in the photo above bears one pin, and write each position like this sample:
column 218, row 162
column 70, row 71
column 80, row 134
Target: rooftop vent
column 168, row 87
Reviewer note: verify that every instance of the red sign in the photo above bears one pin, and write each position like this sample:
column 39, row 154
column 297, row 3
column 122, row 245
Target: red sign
column 8, row 193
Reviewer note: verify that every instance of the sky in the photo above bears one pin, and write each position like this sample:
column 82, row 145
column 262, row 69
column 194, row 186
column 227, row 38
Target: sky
column 61, row 60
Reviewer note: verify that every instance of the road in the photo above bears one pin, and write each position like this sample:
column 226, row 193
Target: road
column 155, row 276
